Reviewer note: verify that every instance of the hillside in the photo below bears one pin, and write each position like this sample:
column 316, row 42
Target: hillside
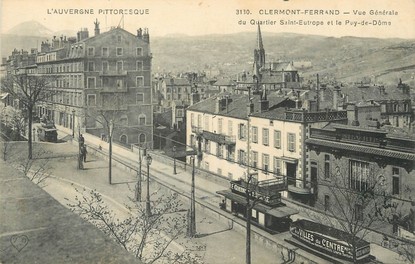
column 345, row 58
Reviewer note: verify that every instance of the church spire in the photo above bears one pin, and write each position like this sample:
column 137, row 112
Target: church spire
column 260, row 46
column 259, row 52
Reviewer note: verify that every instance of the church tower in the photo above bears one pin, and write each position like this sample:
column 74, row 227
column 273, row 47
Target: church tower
column 259, row 52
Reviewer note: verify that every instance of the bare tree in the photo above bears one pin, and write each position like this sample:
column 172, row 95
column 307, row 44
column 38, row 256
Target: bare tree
column 36, row 169
column 147, row 237
column 108, row 114
column 30, row 90
column 353, row 204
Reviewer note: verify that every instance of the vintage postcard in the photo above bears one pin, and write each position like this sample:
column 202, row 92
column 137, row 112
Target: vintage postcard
column 209, row 131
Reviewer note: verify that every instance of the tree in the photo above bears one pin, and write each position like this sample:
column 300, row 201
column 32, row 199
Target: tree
column 352, row 204
column 29, row 90
column 147, row 237
column 13, row 121
column 109, row 115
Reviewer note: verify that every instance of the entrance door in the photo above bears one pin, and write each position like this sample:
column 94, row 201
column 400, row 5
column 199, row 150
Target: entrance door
column 291, row 173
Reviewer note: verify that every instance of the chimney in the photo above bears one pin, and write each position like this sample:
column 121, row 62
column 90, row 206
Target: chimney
column 82, row 34
column 140, row 33
column 336, row 92
column 355, row 121
column 218, row 105
column 146, row 36
column 96, row 30
column 194, row 98
column 263, row 101
column 318, row 93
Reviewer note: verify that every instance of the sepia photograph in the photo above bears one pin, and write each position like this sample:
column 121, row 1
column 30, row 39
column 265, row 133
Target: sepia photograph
column 207, row 132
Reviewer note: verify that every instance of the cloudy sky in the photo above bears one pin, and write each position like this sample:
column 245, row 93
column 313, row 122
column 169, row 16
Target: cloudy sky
column 380, row 18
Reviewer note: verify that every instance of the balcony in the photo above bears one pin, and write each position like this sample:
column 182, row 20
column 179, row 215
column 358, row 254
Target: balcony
column 298, row 186
column 268, row 191
column 219, row 138
column 197, row 130
column 305, row 116
column 113, row 73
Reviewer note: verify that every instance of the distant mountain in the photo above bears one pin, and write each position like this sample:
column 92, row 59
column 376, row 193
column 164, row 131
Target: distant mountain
column 347, row 58
column 30, row 28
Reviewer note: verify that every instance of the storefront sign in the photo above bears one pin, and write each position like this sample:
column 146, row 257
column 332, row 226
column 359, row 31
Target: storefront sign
column 332, row 246
column 268, row 199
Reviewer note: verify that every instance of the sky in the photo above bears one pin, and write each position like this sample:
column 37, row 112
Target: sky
column 361, row 18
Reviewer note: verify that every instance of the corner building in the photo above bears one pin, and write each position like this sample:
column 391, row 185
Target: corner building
column 94, row 71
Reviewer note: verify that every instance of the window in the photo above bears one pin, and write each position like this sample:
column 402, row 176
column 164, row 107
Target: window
column 119, row 83
column 139, row 81
column 359, row 174
column 119, row 66
column 192, row 119
column 119, row 38
column 405, row 107
column 277, row 166
column 105, row 67
column 395, row 108
column 91, row 51
column 91, row 100
column 395, row 181
column 326, row 166
column 139, row 65
column 254, row 159
column 192, row 140
column 139, row 51
column 206, row 123
column 241, row 131
column 219, row 150
column 265, row 136
column 326, row 202
column 142, row 138
column 241, row 157
column 119, row 51
column 199, row 121
column 231, row 153
column 230, row 129
column 265, row 162
column 139, row 98
column 291, row 142
column 179, row 112
column 220, row 125
column 91, row 66
column 277, row 139
column 254, row 134
column 142, row 120
column 207, row 146
column 124, row 120
column 91, row 82
column 105, row 52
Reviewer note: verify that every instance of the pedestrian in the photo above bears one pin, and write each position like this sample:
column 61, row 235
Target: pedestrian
column 81, row 140
column 84, row 152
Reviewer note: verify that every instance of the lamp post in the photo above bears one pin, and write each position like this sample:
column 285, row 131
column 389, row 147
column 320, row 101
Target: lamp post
column 174, row 160
column 73, row 123
column 192, row 222
column 148, row 209
column 111, row 128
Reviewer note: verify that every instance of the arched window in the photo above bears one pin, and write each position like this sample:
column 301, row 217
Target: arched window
column 142, row 120
column 142, row 138
column 124, row 139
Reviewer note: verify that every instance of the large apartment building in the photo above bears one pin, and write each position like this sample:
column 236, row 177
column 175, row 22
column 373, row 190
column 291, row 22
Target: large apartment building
column 109, row 71
column 267, row 133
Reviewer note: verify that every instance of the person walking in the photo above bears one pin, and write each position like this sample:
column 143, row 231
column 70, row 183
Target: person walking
column 81, row 140
column 84, row 152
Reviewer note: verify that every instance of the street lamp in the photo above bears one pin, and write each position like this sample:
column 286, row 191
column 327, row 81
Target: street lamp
column 192, row 222
column 148, row 210
column 111, row 128
column 73, row 123
column 174, row 160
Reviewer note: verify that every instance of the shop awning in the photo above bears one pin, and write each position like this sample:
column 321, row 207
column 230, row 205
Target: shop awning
column 282, row 211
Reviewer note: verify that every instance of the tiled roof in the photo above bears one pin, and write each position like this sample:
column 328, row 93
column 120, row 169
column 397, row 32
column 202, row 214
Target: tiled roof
column 362, row 149
column 356, row 94
column 224, row 82
column 237, row 105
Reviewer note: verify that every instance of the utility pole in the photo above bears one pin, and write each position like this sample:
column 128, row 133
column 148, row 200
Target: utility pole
column 174, row 160
column 138, row 187
column 192, row 222
column 247, row 191
column 148, row 209
column 111, row 128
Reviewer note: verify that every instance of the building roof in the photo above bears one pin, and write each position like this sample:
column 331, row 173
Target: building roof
column 237, row 104
column 356, row 94
column 177, row 81
column 224, row 82
column 362, row 149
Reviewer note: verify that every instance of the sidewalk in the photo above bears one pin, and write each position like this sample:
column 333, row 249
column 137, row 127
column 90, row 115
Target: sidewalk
column 206, row 191
column 215, row 241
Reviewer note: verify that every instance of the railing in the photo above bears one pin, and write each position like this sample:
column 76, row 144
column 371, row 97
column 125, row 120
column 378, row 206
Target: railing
column 113, row 73
column 305, row 116
column 197, row 130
